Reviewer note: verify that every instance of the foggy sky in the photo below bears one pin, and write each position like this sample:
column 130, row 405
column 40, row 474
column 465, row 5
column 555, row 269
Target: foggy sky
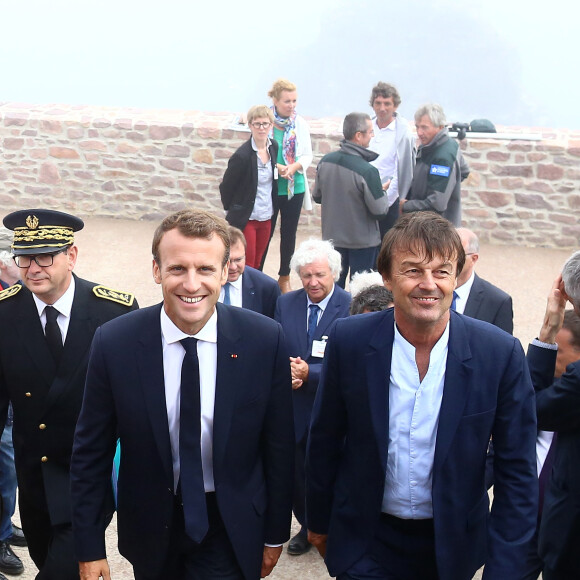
column 511, row 61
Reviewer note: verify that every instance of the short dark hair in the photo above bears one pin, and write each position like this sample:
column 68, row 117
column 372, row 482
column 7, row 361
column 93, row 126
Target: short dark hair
column 372, row 299
column 236, row 235
column 572, row 323
column 193, row 223
column 421, row 231
column 386, row 91
column 353, row 123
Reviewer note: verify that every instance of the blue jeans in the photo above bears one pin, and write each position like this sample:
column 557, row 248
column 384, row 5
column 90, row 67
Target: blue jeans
column 7, row 480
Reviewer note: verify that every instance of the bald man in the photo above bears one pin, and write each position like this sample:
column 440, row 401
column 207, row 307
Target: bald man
column 476, row 297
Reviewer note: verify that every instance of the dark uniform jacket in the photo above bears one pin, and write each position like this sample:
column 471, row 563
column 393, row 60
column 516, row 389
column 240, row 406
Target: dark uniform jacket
column 46, row 398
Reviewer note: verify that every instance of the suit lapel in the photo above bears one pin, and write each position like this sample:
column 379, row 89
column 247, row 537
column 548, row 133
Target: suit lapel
column 298, row 310
column 79, row 337
column 474, row 299
column 150, row 364
column 229, row 361
column 30, row 334
column 458, row 377
column 248, row 291
column 329, row 316
column 378, row 364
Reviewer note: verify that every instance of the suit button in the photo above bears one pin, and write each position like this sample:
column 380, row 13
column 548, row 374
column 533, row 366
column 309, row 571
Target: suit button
column 28, row 394
column 42, row 426
column 44, row 459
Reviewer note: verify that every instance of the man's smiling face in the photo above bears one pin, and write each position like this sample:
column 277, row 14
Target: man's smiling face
column 422, row 290
column 191, row 273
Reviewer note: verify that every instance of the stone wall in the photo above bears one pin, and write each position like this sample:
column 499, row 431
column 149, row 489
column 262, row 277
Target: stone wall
column 143, row 164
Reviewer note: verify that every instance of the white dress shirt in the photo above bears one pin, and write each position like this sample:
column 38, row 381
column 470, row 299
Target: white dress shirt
column 414, row 408
column 235, row 292
column 63, row 305
column 384, row 143
column 463, row 294
column 173, row 354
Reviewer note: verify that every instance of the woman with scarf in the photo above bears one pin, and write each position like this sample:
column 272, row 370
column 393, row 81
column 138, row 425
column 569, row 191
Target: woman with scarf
column 292, row 134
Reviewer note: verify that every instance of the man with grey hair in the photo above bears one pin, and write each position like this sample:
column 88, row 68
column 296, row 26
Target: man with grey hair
column 352, row 197
column 9, row 272
column 306, row 316
column 558, row 409
column 439, row 170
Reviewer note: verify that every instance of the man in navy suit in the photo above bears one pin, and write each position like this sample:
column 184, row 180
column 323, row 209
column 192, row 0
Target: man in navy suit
column 558, row 408
column 247, row 287
column 407, row 402
column 477, row 297
column 306, row 316
column 203, row 495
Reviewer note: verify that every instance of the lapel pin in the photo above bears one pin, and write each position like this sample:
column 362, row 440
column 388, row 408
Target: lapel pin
column 233, row 355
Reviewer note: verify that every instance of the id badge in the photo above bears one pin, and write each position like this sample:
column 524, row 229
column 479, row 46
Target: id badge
column 318, row 347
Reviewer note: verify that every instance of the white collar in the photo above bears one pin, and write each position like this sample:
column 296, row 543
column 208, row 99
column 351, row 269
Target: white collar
column 172, row 334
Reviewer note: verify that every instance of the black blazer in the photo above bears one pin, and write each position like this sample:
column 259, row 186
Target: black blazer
column 488, row 303
column 558, row 408
column 253, row 440
column 259, row 292
column 44, row 393
column 240, row 182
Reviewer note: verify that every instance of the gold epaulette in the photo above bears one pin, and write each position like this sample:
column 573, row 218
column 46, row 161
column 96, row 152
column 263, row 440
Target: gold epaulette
column 10, row 291
column 114, row 295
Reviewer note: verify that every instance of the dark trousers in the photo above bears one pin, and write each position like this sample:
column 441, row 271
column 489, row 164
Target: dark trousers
column 52, row 550
column 389, row 220
column 401, row 550
column 299, row 501
column 213, row 558
column 289, row 215
column 357, row 261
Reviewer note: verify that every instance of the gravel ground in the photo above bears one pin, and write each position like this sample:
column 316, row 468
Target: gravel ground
column 117, row 253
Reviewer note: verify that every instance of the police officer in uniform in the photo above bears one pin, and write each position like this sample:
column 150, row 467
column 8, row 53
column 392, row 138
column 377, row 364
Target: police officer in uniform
column 52, row 318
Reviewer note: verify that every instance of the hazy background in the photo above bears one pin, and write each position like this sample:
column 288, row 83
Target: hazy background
column 512, row 61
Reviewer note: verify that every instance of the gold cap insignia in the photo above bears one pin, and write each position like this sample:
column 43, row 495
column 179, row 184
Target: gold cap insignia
column 32, row 222
column 114, row 295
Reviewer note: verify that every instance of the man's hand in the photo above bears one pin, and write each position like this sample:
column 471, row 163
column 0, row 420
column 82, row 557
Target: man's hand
column 270, row 559
column 554, row 316
column 386, row 184
column 299, row 368
column 94, row 570
column 296, row 384
column 401, row 204
column 319, row 541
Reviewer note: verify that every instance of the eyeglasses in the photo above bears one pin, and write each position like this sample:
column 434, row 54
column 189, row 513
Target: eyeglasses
column 261, row 125
column 42, row 260
column 238, row 260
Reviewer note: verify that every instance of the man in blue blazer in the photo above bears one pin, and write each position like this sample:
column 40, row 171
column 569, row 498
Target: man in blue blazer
column 306, row 316
column 558, row 408
column 207, row 496
column 479, row 298
column 247, row 287
column 407, row 402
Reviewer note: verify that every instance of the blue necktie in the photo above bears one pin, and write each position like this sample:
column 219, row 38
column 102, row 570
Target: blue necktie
column 227, row 293
column 191, row 473
column 454, row 302
column 312, row 323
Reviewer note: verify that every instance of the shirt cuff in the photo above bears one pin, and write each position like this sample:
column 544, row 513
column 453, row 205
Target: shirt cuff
column 547, row 345
column 273, row 545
